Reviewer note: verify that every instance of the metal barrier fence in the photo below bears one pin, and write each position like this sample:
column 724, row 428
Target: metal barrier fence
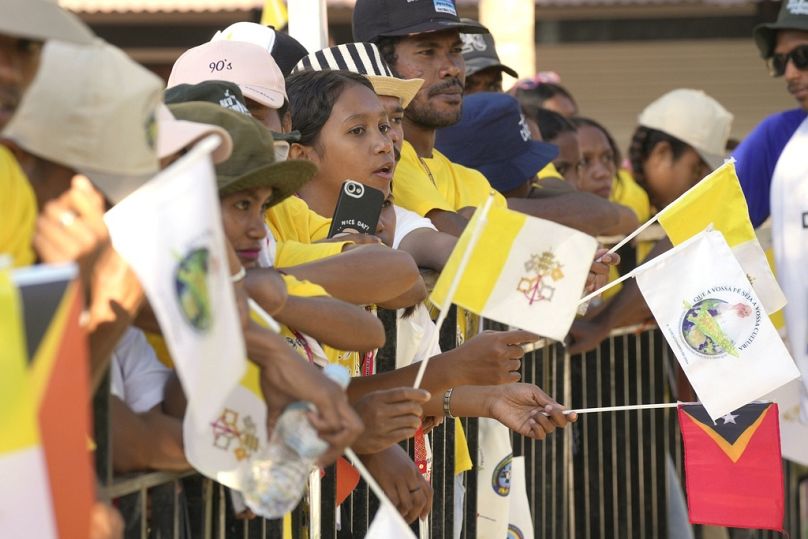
column 603, row 477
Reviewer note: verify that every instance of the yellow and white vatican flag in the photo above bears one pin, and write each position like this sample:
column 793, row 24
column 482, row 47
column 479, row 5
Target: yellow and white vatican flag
column 718, row 200
column 25, row 496
column 520, row 525
column 170, row 233
column 715, row 323
column 493, row 479
column 232, row 435
column 522, row 271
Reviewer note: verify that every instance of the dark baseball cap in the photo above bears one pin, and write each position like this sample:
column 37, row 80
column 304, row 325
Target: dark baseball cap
column 793, row 16
column 219, row 92
column 373, row 19
column 493, row 137
column 480, row 52
column 253, row 162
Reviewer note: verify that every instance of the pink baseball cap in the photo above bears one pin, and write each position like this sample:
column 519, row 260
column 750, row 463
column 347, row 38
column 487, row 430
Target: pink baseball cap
column 249, row 66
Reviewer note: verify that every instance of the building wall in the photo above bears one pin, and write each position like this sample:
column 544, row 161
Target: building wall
column 614, row 81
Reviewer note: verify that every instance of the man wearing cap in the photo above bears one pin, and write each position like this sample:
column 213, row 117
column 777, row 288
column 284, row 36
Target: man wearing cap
column 422, row 40
column 483, row 67
column 24, row 26
column 773, row 171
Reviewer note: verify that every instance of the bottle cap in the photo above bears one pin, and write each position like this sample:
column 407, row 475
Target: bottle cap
column 338, row 374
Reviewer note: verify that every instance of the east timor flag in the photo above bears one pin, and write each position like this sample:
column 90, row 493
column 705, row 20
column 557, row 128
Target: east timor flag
column 52, row 303
column 733, row 467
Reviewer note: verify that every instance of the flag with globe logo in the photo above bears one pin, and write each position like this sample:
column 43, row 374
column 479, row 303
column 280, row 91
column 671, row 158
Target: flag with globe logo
column 178, row 254
column 715, row 323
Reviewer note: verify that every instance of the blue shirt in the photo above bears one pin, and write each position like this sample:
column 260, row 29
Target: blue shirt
column 757, row 156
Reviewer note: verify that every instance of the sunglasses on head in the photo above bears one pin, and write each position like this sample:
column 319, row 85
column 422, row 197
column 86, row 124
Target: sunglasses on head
column 778, row 62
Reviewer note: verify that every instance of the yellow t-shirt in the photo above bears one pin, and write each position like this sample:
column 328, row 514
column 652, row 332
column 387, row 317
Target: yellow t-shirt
column 18, row 218
column 422, row 185
column 549, row 171
column 295, row 228
column 293, row 220
column 627, row 191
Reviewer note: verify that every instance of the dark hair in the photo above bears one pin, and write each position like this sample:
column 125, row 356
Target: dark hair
column 579, row 121
column 312, row 95
column 552, row 124
column 643, row 143
column 387, row 48
column 533, row 96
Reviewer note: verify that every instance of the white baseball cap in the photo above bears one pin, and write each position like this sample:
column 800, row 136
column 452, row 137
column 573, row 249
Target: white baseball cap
column 91, row 108
column 249, row 66
column 693, row 117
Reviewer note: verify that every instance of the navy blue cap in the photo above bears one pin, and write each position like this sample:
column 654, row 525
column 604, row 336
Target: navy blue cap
column 494, row 138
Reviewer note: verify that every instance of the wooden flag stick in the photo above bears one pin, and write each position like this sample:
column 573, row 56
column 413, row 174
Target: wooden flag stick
column 447, row 302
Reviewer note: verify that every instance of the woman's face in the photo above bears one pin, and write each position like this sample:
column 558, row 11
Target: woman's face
column 354, row 144
column 597, row 162
column 666, row 177
column 386, row 228
column 243, row 218
column 569, row 157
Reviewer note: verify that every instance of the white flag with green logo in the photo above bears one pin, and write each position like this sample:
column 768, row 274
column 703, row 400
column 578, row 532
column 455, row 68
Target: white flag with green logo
column 170, row 232
column 715, row 323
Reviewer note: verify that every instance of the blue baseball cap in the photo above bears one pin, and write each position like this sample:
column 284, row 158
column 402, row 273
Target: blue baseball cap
column 493, row 137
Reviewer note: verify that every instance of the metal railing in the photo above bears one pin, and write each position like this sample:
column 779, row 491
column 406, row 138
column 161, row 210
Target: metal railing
column 603, row 477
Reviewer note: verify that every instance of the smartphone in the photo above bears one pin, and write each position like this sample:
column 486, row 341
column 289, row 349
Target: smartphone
column 358, row 209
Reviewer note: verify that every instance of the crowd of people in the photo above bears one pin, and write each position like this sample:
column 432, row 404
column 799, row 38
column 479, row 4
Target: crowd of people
column 415, row 108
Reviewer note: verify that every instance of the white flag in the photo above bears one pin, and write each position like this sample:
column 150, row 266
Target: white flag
column 793, row 432
column 170, row 232
column 715, row 323
column 493, row 479
column 388, row 524
column 520, row 524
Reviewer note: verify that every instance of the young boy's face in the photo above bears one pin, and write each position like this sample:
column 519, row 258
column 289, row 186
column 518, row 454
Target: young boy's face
column 243, row 219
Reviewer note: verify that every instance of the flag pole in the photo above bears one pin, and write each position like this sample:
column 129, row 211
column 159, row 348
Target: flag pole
column 370, row 480
column 263, row 315
column 628, row 408
column 461, row 268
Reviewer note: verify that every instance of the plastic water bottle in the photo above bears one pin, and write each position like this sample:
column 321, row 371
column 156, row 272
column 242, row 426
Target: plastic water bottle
column 273, row 480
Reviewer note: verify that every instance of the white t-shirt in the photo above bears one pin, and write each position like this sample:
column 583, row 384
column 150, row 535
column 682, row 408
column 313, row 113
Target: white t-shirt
column 136, row 375
column 406, row 222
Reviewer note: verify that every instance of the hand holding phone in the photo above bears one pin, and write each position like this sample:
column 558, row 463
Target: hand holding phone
column 358, row 209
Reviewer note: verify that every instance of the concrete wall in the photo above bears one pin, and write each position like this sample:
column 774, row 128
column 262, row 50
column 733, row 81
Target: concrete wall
column 614, row 81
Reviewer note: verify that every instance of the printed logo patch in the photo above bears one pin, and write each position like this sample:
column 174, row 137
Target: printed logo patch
column 473, row 42
column 721, row 321
column 543, row 270
column 445, row 6
column 229, row 435
column 797, row 7
column 514, row 532
column 501, row 478
column 191, row 286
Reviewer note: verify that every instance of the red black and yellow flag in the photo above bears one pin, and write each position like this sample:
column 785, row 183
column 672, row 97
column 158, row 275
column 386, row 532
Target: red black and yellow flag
column 52, row 303
column 733, row 467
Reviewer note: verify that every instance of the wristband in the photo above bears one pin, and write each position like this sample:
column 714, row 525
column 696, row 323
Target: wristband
column 447, row 399
column 239, row 275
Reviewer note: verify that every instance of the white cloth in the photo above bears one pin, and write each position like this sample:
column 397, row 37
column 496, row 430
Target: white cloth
column 136, row 375
column 789, row 208
column 406, row 222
